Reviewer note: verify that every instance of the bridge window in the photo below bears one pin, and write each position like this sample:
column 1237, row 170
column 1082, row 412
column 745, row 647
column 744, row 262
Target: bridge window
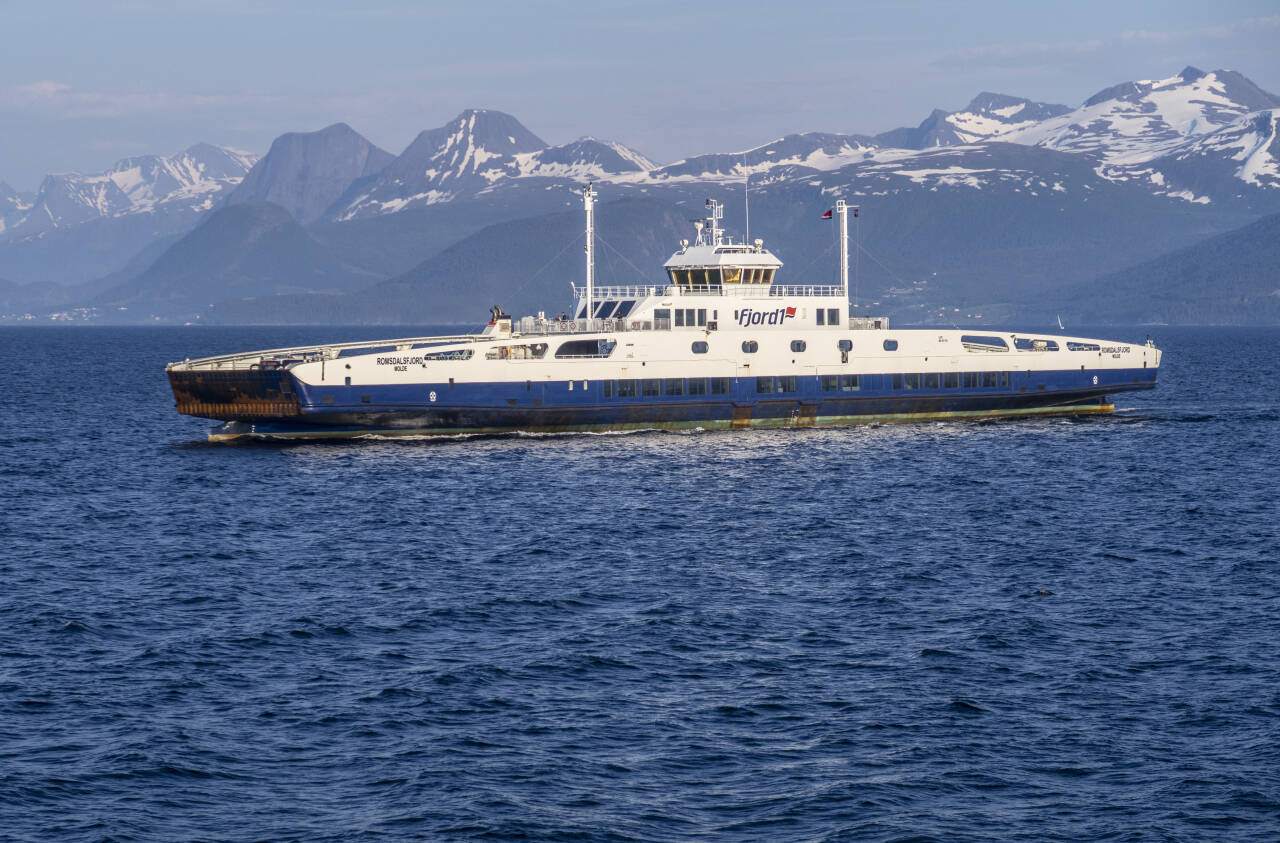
column 456, row 354
column 976, row 342
column 719, row 386
column 1027, row 344
column 585, row 348
column 890, row 345
column 673, row 386
column 697, row 386
column 798, row 346
column 768, row 277
column 750, row 346
column 699, row 347
column 532, row 351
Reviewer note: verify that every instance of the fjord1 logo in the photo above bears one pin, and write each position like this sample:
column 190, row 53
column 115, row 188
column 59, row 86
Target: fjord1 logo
column 751, row 316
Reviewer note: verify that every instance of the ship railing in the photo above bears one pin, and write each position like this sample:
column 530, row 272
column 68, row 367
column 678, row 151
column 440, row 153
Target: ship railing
column 636, row 291
column 285, row 357
column 539, row 326
column 869, row 323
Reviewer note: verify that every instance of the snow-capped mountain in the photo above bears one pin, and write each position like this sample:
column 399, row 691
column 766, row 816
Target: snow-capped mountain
column 13, row 205
column 816, row 151
column 189, row 181
column 475, row 154
column 1138, row 121
column 306, row 172
column 986, row 116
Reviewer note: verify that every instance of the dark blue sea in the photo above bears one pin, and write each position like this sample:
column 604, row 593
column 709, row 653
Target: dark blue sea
column 1025, row 630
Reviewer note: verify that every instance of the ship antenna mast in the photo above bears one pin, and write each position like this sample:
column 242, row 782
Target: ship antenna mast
column 588, row 204
column 843, row 210
column 746, row 196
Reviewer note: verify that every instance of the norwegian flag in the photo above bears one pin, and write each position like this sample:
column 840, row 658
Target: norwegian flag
column 855, row 210
column 791, row 311
column 827, row 215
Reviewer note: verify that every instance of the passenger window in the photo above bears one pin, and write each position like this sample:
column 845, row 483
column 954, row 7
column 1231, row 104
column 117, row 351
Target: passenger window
column 697, row 386
column 750, row 346
column 890, row 345
column 673, row 386
column 845, row 345
column 764, row 385
column 627, row 389
column 932, row 380
column 719, row 386
column 700, row 347
column 787, row 383
column 850, row 383
column 822, row 316
column 970, row 379
column 833, row 316
column 911, row 381
column 798, row 345
column 989, row 379
column 651, row 386
column 952, row 380
column 830, row 383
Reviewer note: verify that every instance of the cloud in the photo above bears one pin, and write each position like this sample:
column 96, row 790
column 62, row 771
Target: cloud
column 1021, row 55
column 1250, row 25
column 64, row 100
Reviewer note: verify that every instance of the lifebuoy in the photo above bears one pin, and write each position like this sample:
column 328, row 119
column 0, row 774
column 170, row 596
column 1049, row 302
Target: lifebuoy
column 573, row 326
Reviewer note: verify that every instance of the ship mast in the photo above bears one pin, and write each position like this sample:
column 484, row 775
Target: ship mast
column 588, row 204
column 842, row 208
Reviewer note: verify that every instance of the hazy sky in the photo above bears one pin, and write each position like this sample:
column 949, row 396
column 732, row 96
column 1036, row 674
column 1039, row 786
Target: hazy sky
column 83, row 84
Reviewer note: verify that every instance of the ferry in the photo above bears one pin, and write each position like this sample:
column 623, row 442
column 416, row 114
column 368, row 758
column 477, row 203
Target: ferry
column 720, row 342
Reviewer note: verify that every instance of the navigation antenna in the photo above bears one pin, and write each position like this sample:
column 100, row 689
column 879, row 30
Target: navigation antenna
column 746, row 196
column 588, row 204
column 717, row 214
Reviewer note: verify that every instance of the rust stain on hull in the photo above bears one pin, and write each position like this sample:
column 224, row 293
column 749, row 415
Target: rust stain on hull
column 233, row 395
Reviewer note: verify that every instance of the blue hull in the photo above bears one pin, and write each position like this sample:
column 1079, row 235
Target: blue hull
column 444, row 409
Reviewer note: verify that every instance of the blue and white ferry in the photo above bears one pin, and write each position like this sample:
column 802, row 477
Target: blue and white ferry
column 720, row 342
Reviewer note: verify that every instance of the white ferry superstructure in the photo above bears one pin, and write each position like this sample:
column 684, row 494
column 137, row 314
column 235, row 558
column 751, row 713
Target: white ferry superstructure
column 719, row 343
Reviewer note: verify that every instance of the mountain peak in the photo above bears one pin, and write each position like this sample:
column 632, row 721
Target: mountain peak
column 1191, row 74
column 306, row 172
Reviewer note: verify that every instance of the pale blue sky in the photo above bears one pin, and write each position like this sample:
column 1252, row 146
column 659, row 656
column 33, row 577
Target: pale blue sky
column 85, row 83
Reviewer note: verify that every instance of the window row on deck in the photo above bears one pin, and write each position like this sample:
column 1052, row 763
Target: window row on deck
column 793, row 384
